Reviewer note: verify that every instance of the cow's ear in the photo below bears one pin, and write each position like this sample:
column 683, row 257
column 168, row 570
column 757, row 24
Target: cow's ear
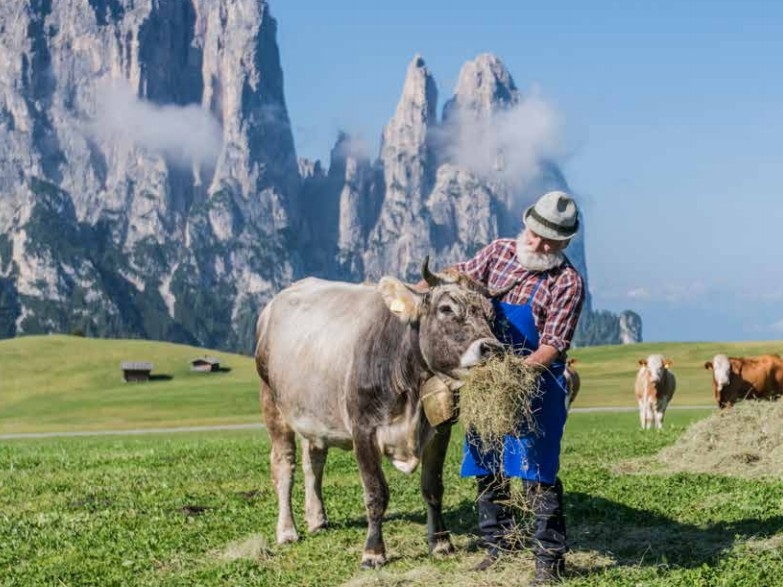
column 643, row 362
column 667, row 363
column 708, row 365
column 401, row 300
column 572, row 362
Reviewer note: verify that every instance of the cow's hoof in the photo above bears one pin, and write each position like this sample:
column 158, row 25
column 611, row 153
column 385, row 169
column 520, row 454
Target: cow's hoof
column 317, row 526
column 287, row 535
column 442, row 548
column 373, row 561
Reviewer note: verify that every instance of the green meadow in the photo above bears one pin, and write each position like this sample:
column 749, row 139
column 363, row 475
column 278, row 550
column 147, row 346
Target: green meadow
column 199, row 508
column 65, row 383
column 608, row 372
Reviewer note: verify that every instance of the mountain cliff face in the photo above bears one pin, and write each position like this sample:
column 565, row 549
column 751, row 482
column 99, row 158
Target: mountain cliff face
column 150, row 186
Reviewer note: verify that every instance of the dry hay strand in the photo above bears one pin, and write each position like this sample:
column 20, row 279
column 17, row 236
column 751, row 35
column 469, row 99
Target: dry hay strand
column 253, row 547
column 509, row 571
column 496, row 398
column 743, row 441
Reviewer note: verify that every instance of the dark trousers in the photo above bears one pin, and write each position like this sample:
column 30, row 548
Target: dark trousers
column 499, row 530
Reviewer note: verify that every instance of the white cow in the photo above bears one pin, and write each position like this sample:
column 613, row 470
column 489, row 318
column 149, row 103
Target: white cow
column 655, row 386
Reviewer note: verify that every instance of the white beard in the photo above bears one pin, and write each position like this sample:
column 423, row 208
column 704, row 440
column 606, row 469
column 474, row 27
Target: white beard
column 537, row 262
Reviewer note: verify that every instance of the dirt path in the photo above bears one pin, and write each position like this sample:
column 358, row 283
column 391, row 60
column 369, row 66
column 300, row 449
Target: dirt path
column 140, row 431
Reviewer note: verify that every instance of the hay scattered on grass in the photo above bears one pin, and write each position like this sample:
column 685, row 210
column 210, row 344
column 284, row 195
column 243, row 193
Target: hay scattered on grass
column 511, row 571
column 744, row 441
column 496, row 398
column 254, row 548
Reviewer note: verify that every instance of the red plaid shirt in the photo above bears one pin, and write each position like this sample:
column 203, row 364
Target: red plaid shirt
column 557, row 303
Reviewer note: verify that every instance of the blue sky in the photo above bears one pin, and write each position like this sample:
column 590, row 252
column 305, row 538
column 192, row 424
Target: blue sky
column 674, row 119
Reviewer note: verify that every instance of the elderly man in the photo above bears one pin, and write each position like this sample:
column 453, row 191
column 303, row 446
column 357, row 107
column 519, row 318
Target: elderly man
column 537, row 318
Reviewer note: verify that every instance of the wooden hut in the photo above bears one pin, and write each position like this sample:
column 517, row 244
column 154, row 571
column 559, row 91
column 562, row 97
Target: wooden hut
column 136, row 371
column 205, row 364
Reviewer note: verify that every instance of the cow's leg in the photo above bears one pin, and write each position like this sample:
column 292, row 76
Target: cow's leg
column 642, row 411
column 659, row 412
column 432, row 461
column 313, row 460
column 648, row 415
column 283, row 461
column 376, row 498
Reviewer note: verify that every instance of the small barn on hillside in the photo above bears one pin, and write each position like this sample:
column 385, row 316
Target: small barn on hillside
column 136, row 371
column 205, row 364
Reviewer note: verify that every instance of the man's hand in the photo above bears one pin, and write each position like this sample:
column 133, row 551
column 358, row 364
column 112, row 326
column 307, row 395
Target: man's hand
column 543, row 357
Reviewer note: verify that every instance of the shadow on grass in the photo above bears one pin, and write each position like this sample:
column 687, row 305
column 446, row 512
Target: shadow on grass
column 161, row 377
column 635, row 537
column 626, row 535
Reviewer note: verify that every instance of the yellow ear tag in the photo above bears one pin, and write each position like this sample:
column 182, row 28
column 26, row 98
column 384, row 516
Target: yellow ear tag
column 397, row 306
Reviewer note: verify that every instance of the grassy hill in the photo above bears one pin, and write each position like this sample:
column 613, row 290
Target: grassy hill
column 50, row 383
column 54, row 383
column 608, row 372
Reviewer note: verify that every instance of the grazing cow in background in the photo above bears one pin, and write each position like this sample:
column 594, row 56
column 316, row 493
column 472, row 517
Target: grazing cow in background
column 738, row 378
column 655, row 386
column 342, row 365
column 573, row 382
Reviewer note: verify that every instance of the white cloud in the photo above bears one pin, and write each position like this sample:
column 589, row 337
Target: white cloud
column 185, row 134
column 638, row 293
column 666, row 292
column 511, row 145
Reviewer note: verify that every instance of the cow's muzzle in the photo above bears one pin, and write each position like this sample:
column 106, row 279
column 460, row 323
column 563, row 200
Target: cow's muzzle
column 480, row 350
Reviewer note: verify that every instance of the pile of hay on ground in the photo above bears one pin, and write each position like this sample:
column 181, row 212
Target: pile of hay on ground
column 744, row 441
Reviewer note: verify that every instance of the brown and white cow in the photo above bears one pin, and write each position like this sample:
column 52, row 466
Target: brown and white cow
column 573, row 382
column 738, row 378
column 341, row 365
column 655, row 386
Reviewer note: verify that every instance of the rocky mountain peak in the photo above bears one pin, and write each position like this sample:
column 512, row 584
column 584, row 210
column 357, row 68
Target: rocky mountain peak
column 483, row 87
column 125, row 233
column 416, row 111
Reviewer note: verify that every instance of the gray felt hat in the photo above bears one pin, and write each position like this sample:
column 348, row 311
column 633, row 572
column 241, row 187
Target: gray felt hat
column 553, row 216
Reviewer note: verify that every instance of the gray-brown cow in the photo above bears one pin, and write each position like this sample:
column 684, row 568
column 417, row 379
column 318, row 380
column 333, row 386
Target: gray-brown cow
column 342, row 364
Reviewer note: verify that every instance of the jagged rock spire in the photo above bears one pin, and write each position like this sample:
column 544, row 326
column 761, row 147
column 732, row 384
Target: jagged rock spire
column 484, row 86
column 400, row 237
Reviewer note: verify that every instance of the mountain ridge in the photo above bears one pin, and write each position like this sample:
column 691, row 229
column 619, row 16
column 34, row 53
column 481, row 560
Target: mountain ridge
column 162, row 230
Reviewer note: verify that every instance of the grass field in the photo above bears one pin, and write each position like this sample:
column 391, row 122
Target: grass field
column 54, row 383
column 61, row 383
column 198, row 509
column 608, row 372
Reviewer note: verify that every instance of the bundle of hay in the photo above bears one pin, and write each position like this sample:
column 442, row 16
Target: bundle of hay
column 745, row 441
column 496, row 398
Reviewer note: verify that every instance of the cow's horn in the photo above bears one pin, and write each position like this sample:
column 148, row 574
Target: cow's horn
column 431, row 279
column 499, row 293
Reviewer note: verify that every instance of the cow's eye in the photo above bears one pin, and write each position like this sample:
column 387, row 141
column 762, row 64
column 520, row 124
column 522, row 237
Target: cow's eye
column 445, row 309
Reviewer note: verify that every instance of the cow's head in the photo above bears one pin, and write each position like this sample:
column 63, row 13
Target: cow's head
column 724, row 393
column 656, row 366
column 454, row 319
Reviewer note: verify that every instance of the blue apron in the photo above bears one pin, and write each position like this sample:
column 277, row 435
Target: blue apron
column 532, row 455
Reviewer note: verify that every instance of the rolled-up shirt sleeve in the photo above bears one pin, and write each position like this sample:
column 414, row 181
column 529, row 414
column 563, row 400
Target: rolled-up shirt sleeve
column 564, row 308
column 478, row 268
